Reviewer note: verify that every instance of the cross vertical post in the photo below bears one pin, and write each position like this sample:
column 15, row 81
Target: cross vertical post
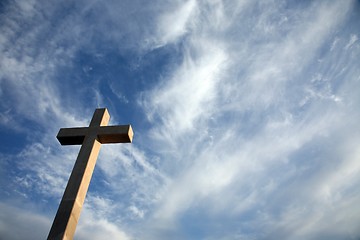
column 90, row 138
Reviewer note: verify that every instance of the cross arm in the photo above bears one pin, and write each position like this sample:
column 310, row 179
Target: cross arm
column 116, row 134
column 72, row 136
column 105, row 134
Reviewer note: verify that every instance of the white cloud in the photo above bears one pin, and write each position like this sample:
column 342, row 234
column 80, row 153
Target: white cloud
column 128, row 172
column 48, row 171
column 188, row 95
column 353, row 39
column 31, row 57
column 244, row 163
column 173, row 25
column 18, row 224
column 94, row 226
column 137, row 212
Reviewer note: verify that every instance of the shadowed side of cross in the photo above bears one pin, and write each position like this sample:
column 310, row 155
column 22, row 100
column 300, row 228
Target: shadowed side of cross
column 90, row 138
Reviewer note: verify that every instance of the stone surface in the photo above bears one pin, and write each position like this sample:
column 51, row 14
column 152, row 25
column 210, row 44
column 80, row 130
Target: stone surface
column 90, row 138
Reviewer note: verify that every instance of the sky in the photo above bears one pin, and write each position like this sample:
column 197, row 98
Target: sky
column 245, row 113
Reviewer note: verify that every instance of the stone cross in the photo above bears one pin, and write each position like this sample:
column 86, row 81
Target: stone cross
column 90, row 138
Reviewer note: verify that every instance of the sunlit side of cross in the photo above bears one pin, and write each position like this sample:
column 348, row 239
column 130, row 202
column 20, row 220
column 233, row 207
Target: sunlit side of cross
column 90, row 138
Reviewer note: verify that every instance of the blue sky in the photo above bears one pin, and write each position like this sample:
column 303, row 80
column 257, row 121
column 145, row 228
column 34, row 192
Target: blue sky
column 246, row 117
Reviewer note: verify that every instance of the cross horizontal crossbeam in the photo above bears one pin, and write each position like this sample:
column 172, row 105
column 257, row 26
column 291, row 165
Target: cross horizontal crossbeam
column 108, row 134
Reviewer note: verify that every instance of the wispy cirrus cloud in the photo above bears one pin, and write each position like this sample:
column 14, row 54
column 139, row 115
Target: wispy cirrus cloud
column 188, row 95
column 175, row 24
column 268, row 116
